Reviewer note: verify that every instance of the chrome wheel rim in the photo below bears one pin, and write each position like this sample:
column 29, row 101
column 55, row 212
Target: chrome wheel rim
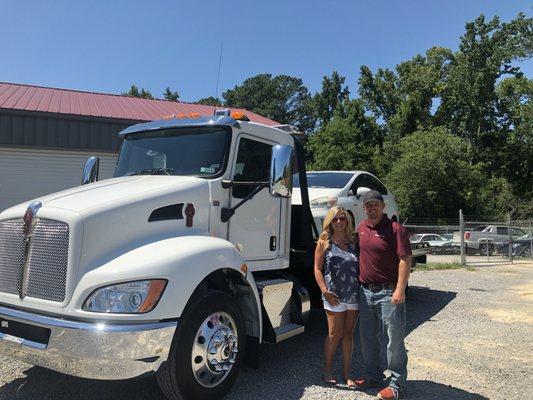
column 215, row 349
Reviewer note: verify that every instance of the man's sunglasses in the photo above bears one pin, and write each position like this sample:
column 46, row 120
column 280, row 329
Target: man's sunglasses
column 339, row 219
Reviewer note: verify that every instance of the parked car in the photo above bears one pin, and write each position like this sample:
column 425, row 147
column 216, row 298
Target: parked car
column 521, row 247
column 448, row 236
column 486, row 240
column 343, row 188
column 437, row 243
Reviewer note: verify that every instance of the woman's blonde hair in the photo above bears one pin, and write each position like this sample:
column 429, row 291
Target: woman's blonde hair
column 327, row 229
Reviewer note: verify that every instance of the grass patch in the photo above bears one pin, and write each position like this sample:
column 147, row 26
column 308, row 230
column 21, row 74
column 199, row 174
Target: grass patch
column 470, row 268
column 438, row 266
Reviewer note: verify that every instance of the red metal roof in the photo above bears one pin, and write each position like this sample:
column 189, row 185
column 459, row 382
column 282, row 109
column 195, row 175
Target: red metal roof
column 14, row 96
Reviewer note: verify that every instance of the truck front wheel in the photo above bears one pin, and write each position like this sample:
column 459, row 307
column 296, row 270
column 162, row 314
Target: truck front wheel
column 207, row 349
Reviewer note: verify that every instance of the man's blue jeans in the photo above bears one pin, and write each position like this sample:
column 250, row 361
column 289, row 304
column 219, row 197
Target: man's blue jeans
column 378, row 315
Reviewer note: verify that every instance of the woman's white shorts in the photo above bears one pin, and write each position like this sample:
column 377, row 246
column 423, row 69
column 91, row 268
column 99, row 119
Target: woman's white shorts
column 341, row 307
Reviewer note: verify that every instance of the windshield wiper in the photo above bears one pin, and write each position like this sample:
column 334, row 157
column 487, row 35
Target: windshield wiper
column 152, row 171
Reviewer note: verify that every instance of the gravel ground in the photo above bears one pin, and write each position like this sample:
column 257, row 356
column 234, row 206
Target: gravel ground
column 470, row 336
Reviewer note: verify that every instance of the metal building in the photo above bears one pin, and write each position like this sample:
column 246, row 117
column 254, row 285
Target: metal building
column 46, row 135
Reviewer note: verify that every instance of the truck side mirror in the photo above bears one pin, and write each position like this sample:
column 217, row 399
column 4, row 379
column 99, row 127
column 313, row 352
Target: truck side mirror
column 281, row 171
column 90, row 170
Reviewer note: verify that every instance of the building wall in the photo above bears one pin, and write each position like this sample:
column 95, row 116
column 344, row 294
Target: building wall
column 27, row 174
column 42, row 153
column 46, row 130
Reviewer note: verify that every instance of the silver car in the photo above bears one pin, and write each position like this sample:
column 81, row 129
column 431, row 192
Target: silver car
column 437, row 243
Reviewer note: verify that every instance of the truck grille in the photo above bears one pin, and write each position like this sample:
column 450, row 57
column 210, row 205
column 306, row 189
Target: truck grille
column 12, row 249
column 40, row 271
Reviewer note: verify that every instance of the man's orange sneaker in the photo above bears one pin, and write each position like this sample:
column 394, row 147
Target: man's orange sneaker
column 362, row 383
column 389, row 393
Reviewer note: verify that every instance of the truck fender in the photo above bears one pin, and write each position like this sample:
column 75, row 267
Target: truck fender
column 185, row 262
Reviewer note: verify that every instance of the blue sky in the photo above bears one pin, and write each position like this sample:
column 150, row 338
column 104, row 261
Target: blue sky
column 105, row 46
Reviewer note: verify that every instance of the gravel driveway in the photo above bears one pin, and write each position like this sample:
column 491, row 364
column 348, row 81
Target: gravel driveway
column 470, row 336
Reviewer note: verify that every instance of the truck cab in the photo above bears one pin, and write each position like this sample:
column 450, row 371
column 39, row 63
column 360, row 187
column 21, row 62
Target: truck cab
column 179, row 265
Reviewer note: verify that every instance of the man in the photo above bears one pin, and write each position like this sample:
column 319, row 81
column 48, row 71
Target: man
column 385, row 264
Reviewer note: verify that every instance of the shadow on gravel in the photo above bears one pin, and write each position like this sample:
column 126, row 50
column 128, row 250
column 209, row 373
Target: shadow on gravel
column 433, row 390
column 287, row 370
column 41, row 384
column 423, row 303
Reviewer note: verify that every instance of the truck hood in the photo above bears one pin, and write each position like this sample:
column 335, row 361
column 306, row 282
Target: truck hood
column 314, row 193
column 107, row 193
column 115, row 216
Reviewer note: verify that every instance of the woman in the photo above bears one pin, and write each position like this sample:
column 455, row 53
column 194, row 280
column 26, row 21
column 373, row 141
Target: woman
column 336, row 270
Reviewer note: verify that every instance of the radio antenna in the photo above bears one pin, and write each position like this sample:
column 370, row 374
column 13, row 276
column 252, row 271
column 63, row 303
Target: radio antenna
column 218, row 73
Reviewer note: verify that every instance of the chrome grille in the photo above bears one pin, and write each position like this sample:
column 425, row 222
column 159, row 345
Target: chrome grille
column 12, row 248
column 48, row 259
column 43, row 274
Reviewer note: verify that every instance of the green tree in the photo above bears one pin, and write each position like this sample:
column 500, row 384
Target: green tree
column 515, row 107
column 433, row 175
column 134, row 92
column 170, row 95
column 333, row 95
column 281, row 98
column 477, row 93
column 347, row 142
column 210, row 101
column 496, row 198
column 380, row 92
column 469, row 108
column 405, row 99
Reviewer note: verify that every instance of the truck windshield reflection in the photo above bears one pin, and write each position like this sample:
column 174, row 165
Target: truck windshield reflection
column 200, row 152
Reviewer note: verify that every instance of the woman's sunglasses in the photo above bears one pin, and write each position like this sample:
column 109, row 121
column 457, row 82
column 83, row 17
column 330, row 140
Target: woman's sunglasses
column 339, row 219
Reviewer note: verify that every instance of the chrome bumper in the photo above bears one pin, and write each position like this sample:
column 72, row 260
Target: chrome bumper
column 89, row 350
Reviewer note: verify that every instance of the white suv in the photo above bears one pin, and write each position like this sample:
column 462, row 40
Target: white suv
column 343, row 188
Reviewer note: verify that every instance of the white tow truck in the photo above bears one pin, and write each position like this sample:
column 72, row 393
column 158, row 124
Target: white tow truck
column 179, row 266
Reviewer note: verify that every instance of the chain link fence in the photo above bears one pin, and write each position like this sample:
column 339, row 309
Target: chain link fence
column 475, row 240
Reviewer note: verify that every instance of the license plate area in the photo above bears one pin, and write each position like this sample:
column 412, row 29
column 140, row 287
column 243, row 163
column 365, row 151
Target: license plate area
column 24, row 331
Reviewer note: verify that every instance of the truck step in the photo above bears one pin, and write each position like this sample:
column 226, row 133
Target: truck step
column 276, row 297
column 287, row 331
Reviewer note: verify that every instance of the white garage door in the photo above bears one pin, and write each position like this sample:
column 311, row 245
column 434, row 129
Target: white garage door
column 29, row 173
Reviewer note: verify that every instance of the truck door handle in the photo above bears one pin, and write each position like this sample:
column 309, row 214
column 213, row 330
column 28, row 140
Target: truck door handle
column 273, row 242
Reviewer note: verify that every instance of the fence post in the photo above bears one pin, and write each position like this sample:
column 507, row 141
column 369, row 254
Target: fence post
column 462, row 232
column 530, row 240
column 510, row 237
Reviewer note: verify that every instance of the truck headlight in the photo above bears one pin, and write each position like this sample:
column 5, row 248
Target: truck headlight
column 323, row 202
column 126, row 298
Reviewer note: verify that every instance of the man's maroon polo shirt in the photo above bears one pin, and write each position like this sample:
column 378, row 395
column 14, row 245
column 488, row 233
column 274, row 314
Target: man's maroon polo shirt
column 381, row 247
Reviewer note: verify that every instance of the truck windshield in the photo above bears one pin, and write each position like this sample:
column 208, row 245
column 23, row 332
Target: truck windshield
column 200, row 151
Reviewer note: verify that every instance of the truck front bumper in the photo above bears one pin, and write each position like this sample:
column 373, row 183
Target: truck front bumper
column 94, row 350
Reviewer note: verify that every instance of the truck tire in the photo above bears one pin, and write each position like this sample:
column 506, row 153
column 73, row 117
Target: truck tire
column 207, row 350
column 486, row 247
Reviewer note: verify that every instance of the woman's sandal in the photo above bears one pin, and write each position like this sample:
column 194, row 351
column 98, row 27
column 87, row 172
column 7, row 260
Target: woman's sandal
column 329, row 379
column 350, row 382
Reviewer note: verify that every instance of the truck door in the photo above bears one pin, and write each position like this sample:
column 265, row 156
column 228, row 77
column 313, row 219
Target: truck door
column 256, row 224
